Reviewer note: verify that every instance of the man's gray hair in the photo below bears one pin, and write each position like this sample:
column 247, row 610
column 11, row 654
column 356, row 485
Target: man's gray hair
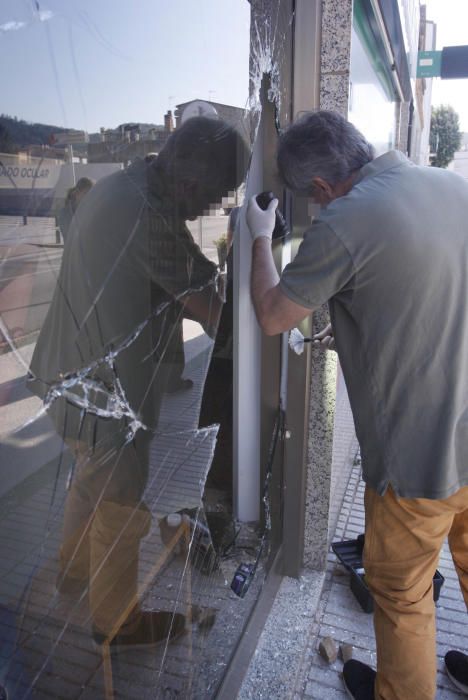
column 321, row 144
column 204, row 150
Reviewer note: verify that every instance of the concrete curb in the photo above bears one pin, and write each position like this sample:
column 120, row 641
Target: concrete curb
column 278, row 658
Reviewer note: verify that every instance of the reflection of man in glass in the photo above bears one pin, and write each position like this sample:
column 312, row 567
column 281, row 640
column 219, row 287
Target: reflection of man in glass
column 74, row 196
column 129, row 271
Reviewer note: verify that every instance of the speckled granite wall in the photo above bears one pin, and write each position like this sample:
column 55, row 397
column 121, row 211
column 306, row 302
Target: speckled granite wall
column 334, row 91
column 319, row 450
column 335, row 54
column 402, row 125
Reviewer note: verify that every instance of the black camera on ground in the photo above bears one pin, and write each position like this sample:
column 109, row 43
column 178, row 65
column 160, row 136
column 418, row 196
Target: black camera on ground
column 242, row 579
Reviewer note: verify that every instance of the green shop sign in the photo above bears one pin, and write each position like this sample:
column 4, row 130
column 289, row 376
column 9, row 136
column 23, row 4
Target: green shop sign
column 429, row 64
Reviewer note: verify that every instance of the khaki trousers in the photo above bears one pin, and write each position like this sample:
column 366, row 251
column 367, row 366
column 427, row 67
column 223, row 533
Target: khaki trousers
column 104, row 522
column 403, row 540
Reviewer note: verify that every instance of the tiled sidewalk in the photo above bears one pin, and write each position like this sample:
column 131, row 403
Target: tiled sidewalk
column 339, row 615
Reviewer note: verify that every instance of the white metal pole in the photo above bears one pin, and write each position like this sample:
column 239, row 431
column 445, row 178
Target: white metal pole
column 70, row 158
column 247, row 351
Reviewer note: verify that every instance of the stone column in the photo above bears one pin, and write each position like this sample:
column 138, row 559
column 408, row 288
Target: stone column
column 337, row 16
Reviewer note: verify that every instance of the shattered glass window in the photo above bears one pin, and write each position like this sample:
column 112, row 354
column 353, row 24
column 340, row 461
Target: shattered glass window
column 124, row 148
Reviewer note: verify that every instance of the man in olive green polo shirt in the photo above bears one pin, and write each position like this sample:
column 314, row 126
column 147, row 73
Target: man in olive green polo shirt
column 130, row 271
column 389, row 253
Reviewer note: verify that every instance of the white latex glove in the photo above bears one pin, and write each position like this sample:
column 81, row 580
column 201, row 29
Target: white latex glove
column 260, row 222
column 325, row 339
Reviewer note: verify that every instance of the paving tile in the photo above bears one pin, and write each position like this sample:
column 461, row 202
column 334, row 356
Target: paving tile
column 323, row 692
column 323, row 676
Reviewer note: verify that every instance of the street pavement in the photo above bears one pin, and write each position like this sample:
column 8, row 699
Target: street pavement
column 30, row 260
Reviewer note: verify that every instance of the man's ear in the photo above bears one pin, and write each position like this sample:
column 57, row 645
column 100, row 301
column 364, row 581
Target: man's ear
column 322, row 190
column 187, row 191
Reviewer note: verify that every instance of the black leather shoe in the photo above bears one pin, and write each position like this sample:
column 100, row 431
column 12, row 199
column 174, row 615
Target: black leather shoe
column 154, row 628
column 456, row 664
column 359, row 680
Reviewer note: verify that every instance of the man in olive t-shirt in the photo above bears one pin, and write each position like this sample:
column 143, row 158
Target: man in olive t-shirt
column 389, row 253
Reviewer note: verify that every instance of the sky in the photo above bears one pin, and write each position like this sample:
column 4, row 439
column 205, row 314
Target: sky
column 451, row 18
column 90, row 63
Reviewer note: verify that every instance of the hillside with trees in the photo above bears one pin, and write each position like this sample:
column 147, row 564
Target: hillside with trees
column 16, row 133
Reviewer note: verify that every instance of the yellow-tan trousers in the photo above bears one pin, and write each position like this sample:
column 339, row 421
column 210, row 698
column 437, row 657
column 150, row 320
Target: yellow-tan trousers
column 403, row 540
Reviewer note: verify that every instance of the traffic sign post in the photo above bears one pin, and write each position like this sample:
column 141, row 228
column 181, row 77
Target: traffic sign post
column 448, row 64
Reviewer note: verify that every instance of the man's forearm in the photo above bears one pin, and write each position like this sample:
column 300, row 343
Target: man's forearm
column 264, row 277
column 275, row 311
column 205, row 307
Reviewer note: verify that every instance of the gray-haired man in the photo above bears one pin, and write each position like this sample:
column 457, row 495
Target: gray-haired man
column 389, row 253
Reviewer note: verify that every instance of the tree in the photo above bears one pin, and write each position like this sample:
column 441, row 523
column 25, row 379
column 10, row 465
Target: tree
column 6, row 143
column 445, row 136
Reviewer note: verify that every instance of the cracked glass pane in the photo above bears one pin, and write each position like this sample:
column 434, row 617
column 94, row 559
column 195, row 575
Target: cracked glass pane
column 124, row 155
